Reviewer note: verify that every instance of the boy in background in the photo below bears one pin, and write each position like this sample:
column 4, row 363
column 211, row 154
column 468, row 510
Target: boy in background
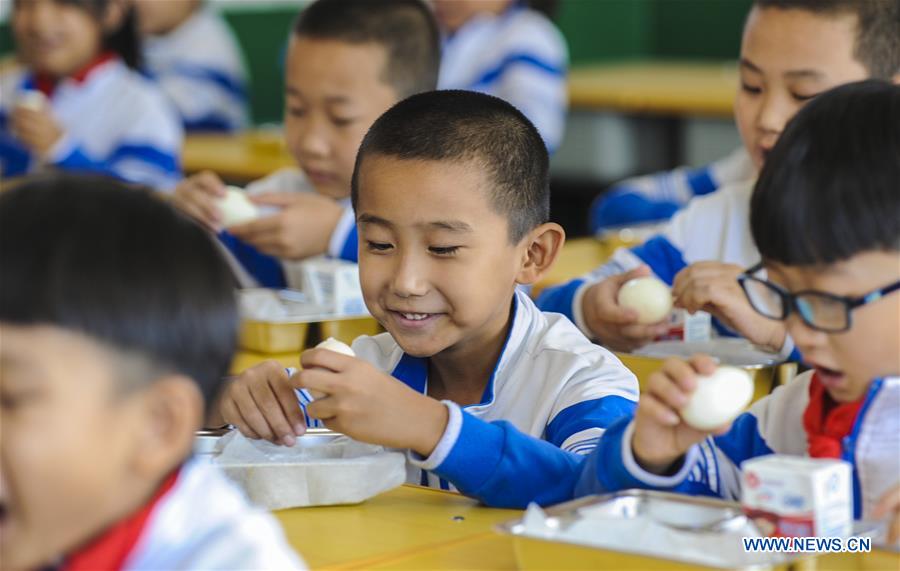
column 118, row 322
column 348, row 61
column 792, row 50
column 192, row 54
column 506, row 49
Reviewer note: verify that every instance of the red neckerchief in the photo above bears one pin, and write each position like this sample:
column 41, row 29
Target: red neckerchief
column 47, row 84
column 827, row 422
column 111, row 549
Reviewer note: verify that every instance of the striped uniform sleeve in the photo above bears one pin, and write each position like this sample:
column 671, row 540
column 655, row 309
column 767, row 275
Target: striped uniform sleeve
column 303, row 400
column 712, row 467
column 650, row 198
column 596, row 395
column 532, row 76
column 207, row 98
column 501, row 466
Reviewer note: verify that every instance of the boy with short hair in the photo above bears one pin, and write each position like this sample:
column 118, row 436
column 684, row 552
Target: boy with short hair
column 451, row 194
column 824, row 216
column 791, row 51
column 118, row 321
column 348, row 61
column 191, row 53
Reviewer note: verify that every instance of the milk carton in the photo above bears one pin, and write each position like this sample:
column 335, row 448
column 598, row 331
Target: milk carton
column 333, row 284
column 790, row 496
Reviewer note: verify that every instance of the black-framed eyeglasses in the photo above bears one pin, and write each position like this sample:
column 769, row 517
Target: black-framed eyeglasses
column 819, row 310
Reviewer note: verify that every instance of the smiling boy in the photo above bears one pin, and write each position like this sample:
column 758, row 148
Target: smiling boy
column 451, row 196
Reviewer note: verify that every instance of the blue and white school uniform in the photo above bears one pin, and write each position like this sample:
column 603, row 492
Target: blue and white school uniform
column 773, row 424
column 518, row 56
column 715, row 227
column 270, row 271
column 199, row 67
column 115, row 121
column 550, row 398
column 206, row 522
column 657, row 197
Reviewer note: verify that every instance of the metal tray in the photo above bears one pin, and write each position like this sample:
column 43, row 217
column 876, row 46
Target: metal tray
column 558, row 540
column 764, row 368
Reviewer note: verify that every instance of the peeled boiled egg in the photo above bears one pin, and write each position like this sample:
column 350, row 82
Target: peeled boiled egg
column 236, row 207
column 719, row 398
column 333, row 344
column 649, row 297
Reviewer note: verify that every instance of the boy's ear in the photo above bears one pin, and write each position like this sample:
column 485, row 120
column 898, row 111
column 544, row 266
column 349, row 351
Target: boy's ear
column 542, row 247
column 172, row 411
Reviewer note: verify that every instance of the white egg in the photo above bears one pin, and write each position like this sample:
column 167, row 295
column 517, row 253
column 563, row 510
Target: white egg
column 333, row 344
column 236, row 207
column 649, row 297
column 33, row 100
column 719, row 398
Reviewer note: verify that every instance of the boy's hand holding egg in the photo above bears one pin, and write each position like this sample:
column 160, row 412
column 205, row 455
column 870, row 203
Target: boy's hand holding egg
column 199, row 196
column 682, row 404
column 33, row 123
column 301, row 228
column 619, row 315
column 713, row 287
column 369, row 405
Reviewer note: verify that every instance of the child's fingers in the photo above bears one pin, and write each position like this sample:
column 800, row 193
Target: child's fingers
column 667, row 390
column 680, row 372
column 233, row 416
column 287, row 397
column 317, row 380
column 324, row 409
column 643, row 333
column 703, row 364
column 209, row 183
column 270, row 408
column 276, row 198
column 656, row 411
column 325, row 358
column 253, row 417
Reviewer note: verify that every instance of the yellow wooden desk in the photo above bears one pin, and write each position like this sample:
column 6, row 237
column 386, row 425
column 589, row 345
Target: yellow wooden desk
column 581, row 255
column 419, row 528
column 669, row 88
column 238, row 158
column 398, row 524
column 577, row 257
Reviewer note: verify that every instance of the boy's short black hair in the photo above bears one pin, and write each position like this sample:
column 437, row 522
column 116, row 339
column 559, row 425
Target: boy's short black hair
column 877, row 33
column 461, row 126
column 406, row 28
column 830, row 188
column 95, row 256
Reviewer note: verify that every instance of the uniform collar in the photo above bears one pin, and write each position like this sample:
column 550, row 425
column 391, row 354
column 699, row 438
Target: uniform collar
column 47, row 84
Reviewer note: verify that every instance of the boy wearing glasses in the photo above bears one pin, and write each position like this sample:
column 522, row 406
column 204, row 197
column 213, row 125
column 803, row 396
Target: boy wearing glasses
column 824, row 216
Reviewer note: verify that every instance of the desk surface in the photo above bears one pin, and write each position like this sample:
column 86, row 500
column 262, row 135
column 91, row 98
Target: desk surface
column 678, row 88
column 398, row 524
column 239, row 158
column 419, row 528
